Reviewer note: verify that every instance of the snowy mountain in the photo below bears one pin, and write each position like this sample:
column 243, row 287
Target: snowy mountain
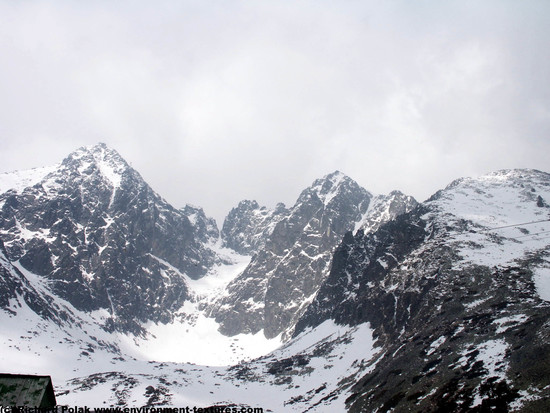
column 455, row 294
column 346, row 301
column 103, row 239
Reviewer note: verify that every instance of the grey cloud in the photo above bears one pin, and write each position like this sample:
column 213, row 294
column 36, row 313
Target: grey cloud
column 214, row 102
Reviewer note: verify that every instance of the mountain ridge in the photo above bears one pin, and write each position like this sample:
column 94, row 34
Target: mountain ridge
column 299, row 239
column 437, row 306
column 449, row 299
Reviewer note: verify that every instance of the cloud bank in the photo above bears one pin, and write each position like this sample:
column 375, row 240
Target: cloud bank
column 218, row 101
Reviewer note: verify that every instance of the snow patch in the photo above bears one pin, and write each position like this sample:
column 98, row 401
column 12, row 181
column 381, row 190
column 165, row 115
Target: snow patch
column 194, row 338
column 436, row 344
column 504, row 323
column 19, row 180
column 493, row 353
column 541, row 278
column 214, row 283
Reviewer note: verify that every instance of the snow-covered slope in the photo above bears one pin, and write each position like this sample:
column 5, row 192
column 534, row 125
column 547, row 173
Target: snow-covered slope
column 17, row 181
column 287, row 379
column 204, row 343
column 496, row 219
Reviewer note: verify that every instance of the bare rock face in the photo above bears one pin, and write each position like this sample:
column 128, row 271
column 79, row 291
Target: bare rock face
column 292, row 254
column 292, row 251
column 247, row 227
column 103, row 238
column 205, row 229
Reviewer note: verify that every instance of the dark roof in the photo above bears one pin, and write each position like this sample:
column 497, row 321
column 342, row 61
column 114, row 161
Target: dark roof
column 26, row 390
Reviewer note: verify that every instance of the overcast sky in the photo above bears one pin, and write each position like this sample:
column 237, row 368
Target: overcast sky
column 218, row 101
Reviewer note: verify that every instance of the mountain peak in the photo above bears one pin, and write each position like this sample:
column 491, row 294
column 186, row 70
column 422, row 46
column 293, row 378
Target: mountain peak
column 523, row 173
column 334, row 175
column 99, row 151
column 108, row 162
column 331, row 185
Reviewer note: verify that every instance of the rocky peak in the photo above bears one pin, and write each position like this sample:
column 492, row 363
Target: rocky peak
column 98, row 160
column 331, row 189
column 300, row 240
column 99, row 154
column 205, row 228
column 105, row 239
column 384, row 208
column 88, row 162
column 248, row 225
